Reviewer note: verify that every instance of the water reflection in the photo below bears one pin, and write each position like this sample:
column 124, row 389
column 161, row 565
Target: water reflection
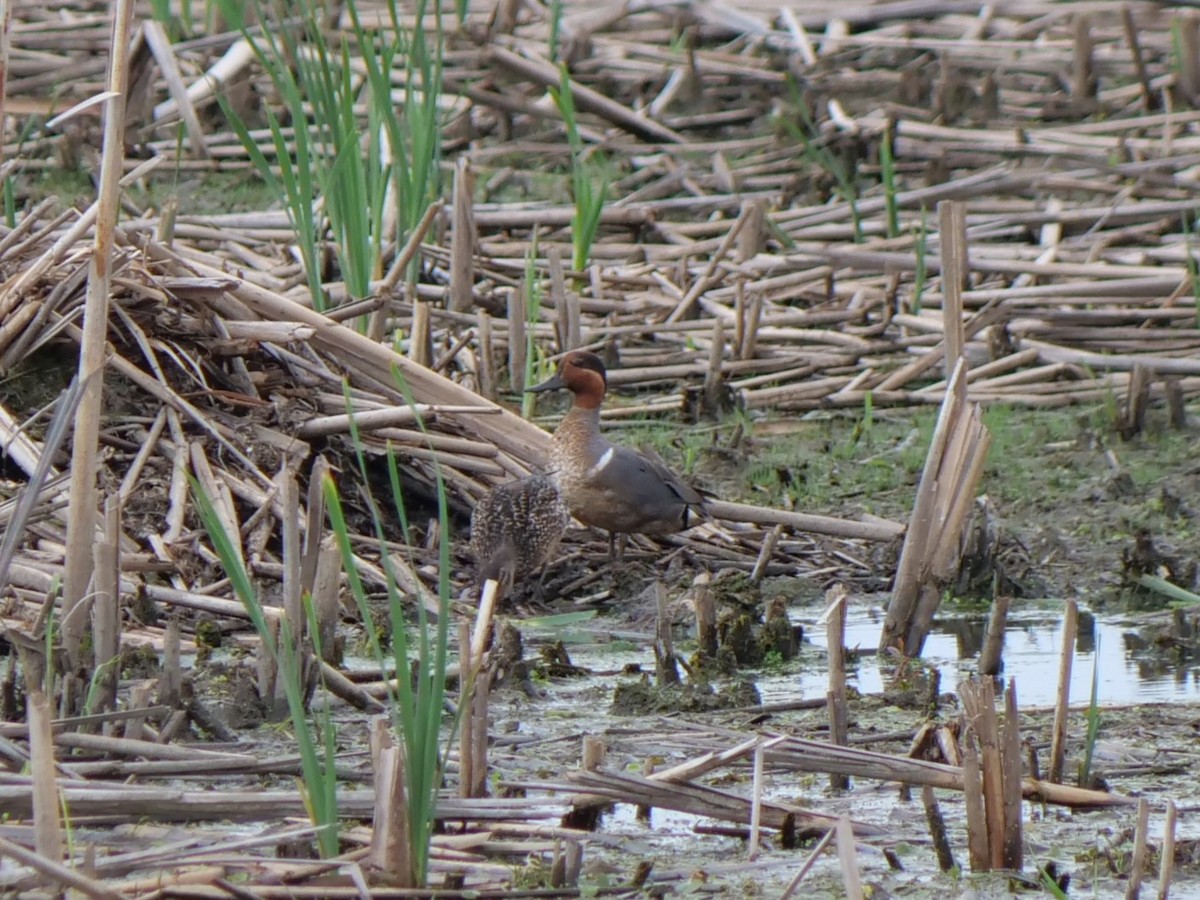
column 1132, row 669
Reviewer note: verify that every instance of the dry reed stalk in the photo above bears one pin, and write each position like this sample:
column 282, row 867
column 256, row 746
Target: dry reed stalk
column 1000, row 771
column 51, row 870
column 705, row 605
column 836, row 601
column 202, row 91
column 47, row 825
column 946, row 491
column 324, row 587
column 808, row 863
column 765, row 552
column 1137, row 863
column 848, row 859
column 293, row 589
column 390, row 844
column 82, row 513
column 170, row 681
column 978, row 849
column 507, row 431
column 666, row 664
column 978, row 707
column 695, row 799
column 756, row 792
column 5, row 29
column 874, row 530
column 420, row 338
column 952, row 228
column 485, row 371
column 476, row 683
column 1010, row 760
column 991, row 659
column 345, row 689
column 160, row 45
column 587, row 100
column 921, row 535
column 480, row 698
column 1062, row 705
column 462, row 239
column 466, row 728
column 106, row 606
column 1166, row 865
column 937, row 827
column 708, row 275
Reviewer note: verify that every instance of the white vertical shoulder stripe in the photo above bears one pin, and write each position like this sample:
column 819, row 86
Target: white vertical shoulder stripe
column 603, row 461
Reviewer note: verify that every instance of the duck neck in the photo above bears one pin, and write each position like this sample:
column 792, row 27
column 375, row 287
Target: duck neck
column 579, row 429
column 580, row 423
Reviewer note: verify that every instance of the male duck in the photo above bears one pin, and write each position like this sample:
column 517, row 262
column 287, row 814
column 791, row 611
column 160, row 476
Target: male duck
column 602, row 484
column 515, row 529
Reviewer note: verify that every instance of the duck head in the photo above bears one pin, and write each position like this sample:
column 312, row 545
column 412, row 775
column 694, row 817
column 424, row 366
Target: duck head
column 583, row 374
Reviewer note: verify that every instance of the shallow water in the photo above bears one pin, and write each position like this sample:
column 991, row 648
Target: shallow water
column 1129, row 672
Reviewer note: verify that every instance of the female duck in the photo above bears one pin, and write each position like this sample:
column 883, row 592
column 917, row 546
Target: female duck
column 515, row 530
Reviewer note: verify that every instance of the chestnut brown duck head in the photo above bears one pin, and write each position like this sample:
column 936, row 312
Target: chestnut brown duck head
column 605, row 485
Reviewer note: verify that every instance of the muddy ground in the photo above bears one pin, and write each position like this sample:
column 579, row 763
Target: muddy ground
column 1072, row 526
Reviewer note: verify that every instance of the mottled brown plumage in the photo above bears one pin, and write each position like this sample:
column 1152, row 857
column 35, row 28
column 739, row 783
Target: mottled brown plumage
column 515, row 530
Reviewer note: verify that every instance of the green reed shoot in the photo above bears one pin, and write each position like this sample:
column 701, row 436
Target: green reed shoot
column 419, row 649
column 556, row 13
column 818, row 154
column 1051, row 885
column 1093, row 723
column 10, row 203
column 368, row 174
column 317, row 767
column 887, row 166
column 862, row 428
column 1189, row 259
column 533, row 314
column 589, row 180
column 1178, row 595
column 296, row 181
column 410, row 132
column 921, row 270
column 160, row 11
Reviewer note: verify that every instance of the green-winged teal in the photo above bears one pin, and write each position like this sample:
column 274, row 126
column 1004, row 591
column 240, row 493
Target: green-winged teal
column 515, row 529
column 603, row 485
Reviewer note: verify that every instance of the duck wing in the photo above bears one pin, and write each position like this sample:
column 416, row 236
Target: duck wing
column 632, row 493
column 682, row 489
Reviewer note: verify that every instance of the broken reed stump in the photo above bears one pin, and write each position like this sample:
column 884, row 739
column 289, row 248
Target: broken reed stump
column 933, row 545
column 848, row 858
column 47, row 826
column 1058, row 735
column 1166, row 866
column 705, row 603
column 475, row 684
column 585, row 814
column 836, row 599
column 994, row 829
column 937, row 829
column 567, row 864
column 931, row 553
column 991, row 660
column 665, row 665
column 390, row 840
column 1137, row 863
column 756, row 796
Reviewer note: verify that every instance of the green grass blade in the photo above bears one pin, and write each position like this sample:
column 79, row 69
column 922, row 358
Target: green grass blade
column 319, row 774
